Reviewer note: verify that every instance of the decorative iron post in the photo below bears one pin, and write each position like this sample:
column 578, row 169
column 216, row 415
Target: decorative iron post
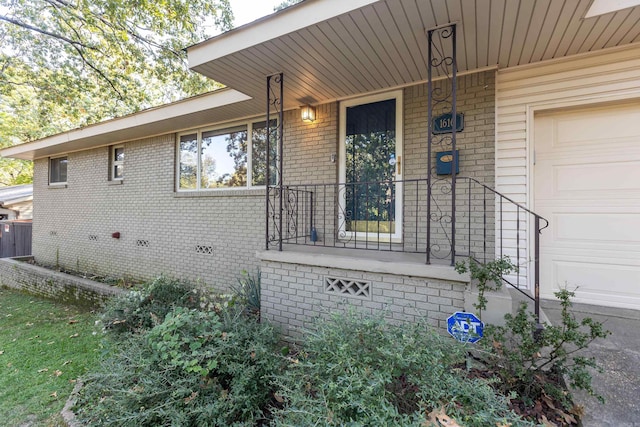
column 275, row 94
column 443, row 99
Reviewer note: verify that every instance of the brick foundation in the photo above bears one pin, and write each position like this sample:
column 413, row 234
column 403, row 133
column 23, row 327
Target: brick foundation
column 298, row 288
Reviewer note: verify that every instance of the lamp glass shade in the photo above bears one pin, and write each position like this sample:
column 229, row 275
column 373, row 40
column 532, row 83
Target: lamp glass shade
column 308, row 113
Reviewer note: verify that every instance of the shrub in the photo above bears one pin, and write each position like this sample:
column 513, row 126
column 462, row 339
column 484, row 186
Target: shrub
column 487, row 276
column 247, row 293
column 194, row 369
column 358, row 370
column 143, row 308
column 532, row 362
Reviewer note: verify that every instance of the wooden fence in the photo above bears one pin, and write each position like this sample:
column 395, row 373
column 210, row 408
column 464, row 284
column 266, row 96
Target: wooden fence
column 15, row 238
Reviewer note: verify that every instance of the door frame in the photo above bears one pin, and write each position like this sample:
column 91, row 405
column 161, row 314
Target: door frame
column 396, row 236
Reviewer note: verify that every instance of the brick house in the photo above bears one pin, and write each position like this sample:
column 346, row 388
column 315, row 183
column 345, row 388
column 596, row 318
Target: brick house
column 349, row 204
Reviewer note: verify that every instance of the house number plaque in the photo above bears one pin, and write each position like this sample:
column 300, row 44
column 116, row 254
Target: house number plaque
column 444, row 123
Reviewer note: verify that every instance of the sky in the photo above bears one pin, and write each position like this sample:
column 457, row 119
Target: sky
column 249, row 10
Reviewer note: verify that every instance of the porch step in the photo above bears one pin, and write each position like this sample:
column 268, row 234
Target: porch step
column 518, row 298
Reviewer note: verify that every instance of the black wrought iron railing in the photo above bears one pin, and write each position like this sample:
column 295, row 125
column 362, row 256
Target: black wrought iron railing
column 515, row 225
column 402, row 216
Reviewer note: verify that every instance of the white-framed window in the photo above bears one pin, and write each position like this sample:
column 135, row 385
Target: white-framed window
column 58, row 170
column 117, row 163
column 223, row 157
column 371, row 167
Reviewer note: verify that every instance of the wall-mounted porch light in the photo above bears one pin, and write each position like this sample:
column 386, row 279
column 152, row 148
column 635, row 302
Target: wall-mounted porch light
column 308, row 113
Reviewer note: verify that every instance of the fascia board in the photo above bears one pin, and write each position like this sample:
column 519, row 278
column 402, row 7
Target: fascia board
column 305, row 14
column 10, row 202
column 196, row 104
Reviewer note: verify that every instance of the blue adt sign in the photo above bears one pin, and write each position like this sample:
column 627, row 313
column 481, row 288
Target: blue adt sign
column 465, row 327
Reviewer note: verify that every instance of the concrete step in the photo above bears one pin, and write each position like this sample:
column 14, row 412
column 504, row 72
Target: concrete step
column 518, row 298
column 500, row 302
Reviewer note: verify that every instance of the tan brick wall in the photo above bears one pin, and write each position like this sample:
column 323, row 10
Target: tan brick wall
column 476, row 145
column 294, row 294
column 73, row 225
column 308, row 147
column 476, row 99
column 17, row 273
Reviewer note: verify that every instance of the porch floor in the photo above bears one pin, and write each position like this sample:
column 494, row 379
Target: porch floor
column 389, row 262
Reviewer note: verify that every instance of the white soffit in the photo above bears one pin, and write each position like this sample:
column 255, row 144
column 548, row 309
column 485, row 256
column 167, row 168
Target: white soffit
column 602, row 7
column 288, row 20
column 334, row 49
column 218, row 106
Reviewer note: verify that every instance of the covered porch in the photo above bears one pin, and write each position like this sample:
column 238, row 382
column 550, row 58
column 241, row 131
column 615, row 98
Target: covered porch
column 423, row 60
column 399, row 213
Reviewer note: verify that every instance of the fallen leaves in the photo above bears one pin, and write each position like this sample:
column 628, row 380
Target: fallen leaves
column 438, row 417
column 546, row 422
column 76, row 335
column 190, row 398
column 568, row 418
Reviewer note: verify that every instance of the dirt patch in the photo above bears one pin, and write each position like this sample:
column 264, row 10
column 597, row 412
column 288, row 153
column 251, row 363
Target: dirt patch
column 119, row 282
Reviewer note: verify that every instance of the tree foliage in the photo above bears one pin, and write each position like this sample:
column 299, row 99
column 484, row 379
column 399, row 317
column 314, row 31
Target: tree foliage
column 285, row 4
column 66, row 64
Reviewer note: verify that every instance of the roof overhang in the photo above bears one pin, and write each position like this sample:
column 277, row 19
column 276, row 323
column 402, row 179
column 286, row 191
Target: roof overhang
column 335, row 49
column 7, row 203
column 16, row 194
column 214, row 107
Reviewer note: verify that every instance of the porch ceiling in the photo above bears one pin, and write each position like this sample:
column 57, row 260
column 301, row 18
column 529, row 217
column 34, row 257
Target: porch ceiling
column 330, row 49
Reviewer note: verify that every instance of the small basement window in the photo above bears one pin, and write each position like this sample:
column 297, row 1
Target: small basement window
column 58, row 170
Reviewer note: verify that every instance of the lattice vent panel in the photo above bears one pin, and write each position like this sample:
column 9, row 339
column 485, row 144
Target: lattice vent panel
column 347, row 287
column 204, row 249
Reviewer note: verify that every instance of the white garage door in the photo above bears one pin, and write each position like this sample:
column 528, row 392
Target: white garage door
column 587, row 183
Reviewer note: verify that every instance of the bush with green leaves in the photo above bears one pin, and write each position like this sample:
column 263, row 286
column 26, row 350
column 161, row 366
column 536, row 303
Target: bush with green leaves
column 359, row 370
column 532, row 362
column 196, row 368
column 486, row 276
column 143, row 308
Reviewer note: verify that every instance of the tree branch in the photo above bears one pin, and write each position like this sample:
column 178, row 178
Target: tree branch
column 125, row 26
column 24, row 25
column 100, row 73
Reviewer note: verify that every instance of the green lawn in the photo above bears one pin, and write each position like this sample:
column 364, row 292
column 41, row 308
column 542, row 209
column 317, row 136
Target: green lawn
column 44, row 347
